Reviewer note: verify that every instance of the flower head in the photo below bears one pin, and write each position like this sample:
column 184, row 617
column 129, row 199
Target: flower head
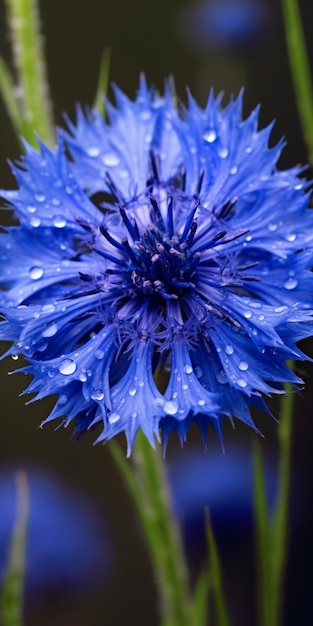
column 160, row 274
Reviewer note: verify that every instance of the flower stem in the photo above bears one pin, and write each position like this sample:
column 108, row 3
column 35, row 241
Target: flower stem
column 31, row 91
column 279, row 527
column 145, row 479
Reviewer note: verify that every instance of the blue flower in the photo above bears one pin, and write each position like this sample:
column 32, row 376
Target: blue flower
column 66, row 549
column 160, row 271
column 224, row 484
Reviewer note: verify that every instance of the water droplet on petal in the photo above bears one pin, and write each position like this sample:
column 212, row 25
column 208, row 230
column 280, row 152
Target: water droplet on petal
column 14, row 357
column 201, row 402
column 170, row 407
column 36, row 272
column 291, row 237
column 223, row 153
column 188, row 369
column 248, row 150
column 243, row 366
column 221, row 377
column 229, row 349
column 209, row 135
column 233, row 170
column 145, row 115
column 272, row 227
column 31, row 209
column 93, row 151
column 132, row 391
column 48, row 308
column 98, row 354
column 241, row 382
column 110, row 159
column 114, row 417
column 67, row 367
column 40, row 197
column 50, row 331
column 98, row 394
column 35, row 222
column 63, row 399
column 247, row 314
column 291, row 283
column 59, row 221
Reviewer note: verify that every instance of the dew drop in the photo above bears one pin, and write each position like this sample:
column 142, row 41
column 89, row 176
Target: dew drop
column 229, row 349
column 170, row 407
column 40, row 197
column 291, row 237
column 261, row 317
column 48, row 308
column 98, row 394
column 221, row 377
column 31, row 209
column 243, row 366
column 291, row 283
column 67, row 367
column 188, row 369
column 35, row 222
column 141, row 383
column 50, row 331
column 201, row 402
column 114, row 417
column 272, row 227
column 145, row 115
column 134, row 414
column 36, row 272
column 198, row 371
column 110, row 159
column 280, row 309
column 247, row 314
column 132, row 391
column 14, row 357
column 63, row 399
column 233, row 170
column 98, row 354
column 241, row 382
column 59, row 221
column 93, row 151
column 209, row 135
column 185, row 387
column 223, row 153
column 248, row 150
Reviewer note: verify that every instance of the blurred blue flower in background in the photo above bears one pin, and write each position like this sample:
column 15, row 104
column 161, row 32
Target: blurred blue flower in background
column 67, row 551
column 161, row 275
column 226, row 24
column 222, row 482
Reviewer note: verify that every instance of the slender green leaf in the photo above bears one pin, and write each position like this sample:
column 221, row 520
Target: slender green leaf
column 263, row 546
column 200, row 605
column 13, row 585
column 216, row 575
column 103, row 81
column 300, row 70
column 279, row 526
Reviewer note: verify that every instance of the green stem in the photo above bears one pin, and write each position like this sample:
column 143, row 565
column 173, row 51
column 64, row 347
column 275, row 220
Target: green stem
column 32, row 88
column 279, row 527
column 300, row 70
column 147, row 485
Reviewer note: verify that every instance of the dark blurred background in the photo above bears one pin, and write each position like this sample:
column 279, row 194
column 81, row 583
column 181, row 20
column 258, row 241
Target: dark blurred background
column 225, row 45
